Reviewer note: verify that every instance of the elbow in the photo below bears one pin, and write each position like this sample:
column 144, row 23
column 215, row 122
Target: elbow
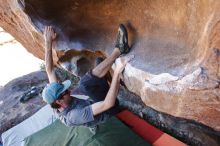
column 49, row 70
column 48, row 67
column 108, row 105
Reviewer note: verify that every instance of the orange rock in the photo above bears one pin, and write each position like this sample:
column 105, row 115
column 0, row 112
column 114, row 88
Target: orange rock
column 176, row 44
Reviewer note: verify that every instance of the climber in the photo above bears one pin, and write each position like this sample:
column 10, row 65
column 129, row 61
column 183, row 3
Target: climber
column 93, row 100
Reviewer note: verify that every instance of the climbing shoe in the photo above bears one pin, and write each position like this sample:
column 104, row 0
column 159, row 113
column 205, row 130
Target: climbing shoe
column 122, row 40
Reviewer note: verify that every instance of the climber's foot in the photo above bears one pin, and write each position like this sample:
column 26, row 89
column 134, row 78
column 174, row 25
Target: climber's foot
column 122, row 40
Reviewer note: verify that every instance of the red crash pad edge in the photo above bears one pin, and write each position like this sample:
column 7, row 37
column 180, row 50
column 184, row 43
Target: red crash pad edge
column 148, row 132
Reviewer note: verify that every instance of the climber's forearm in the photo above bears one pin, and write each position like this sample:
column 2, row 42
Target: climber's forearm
column 113, row 90
column 49, row 62
column 110, row 98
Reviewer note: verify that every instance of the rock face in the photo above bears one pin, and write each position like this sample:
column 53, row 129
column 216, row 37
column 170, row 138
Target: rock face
column 176, row 44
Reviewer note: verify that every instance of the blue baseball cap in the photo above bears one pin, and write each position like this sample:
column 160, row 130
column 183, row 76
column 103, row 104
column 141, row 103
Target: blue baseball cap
column 53, row 90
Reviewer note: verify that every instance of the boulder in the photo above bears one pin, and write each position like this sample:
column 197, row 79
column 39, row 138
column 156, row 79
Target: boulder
column 176, row 44
column 12, row 110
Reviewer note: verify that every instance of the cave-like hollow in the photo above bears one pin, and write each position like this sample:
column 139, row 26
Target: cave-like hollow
column 166, row 36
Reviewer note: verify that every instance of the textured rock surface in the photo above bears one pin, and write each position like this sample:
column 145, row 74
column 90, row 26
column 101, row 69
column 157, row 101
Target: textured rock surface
column 12, row 111
column 176, row 43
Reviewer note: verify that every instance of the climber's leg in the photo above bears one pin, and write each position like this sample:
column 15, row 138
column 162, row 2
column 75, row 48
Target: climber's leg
column 121, row 47
column 102, row 69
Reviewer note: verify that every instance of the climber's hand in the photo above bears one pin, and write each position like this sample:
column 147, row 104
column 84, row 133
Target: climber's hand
column 49, row 35
column 121, row 63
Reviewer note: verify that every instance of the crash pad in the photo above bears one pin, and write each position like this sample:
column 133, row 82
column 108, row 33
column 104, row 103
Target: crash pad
column 111, row 133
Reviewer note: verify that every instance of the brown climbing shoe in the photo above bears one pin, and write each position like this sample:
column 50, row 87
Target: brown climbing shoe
column 122, row 40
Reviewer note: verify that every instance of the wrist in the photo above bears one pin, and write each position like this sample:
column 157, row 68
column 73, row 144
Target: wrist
column 116, row 73
column 48, row 44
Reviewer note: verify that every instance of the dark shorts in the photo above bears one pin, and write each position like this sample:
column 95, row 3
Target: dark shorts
column 96, row 88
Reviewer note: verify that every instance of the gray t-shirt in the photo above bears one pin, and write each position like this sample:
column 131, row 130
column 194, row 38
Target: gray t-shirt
column 80, row 113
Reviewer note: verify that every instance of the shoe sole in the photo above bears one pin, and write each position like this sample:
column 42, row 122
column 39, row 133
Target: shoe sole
column 124, row 31
column 125, row 38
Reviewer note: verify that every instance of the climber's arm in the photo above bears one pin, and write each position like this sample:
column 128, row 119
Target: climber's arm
column 110, row 98
column 49, row 36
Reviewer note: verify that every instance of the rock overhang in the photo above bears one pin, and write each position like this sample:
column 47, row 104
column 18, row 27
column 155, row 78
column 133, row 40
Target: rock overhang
column 166, row 36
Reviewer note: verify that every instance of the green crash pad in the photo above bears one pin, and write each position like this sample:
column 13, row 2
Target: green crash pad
column 111, row 133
